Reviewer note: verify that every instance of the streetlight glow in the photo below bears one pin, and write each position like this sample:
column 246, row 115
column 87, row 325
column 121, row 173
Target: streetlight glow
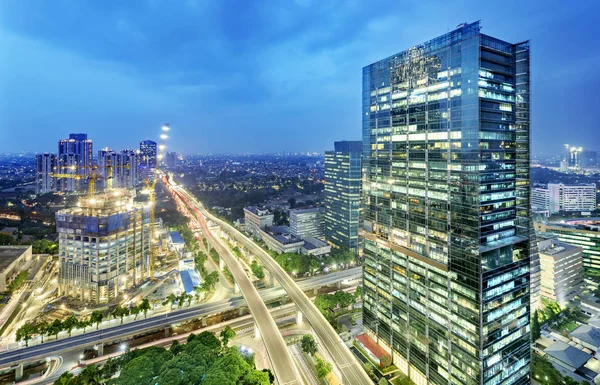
column 166, row 128
column 164, row 136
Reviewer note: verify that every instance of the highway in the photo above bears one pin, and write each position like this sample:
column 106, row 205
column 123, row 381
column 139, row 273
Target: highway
column 128, row 329
column 281, row 360
column 351, row 370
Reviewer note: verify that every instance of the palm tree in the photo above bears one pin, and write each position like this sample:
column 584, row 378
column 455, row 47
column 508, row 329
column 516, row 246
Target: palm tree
column 145, row 306
column 96, row 317
column 189, row 298
column 171, row 299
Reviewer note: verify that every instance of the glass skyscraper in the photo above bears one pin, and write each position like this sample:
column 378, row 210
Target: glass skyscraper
column 446, row 230
column 342, row 194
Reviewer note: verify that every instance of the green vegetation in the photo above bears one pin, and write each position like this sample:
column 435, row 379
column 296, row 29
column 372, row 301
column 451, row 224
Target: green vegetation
column 323, row 367
column 324, row 302
column 44, row 246
column 228, row 275
column 214, row 255
column 301, row 264
column 536, row 331
column 227, row 335
column 560, row 320
column 308, row 344
column 16, row 283
column 546, row 374
column 257, row 270
column 7, row 240
column 203, row 359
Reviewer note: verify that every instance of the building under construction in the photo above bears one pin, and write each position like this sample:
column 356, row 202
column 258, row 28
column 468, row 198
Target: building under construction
column 104, row 246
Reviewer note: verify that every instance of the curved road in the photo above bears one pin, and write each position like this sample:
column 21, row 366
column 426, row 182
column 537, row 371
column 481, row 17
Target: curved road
column 281, row 360
column 351, row 370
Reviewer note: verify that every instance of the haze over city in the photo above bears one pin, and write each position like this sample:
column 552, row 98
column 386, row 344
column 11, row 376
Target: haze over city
column 260, row 76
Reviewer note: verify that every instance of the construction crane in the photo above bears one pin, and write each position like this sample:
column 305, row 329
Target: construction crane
column 92, row 177
column 150, row 184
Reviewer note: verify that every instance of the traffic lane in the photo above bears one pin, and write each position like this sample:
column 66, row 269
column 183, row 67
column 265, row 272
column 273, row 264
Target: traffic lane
column 342, row 356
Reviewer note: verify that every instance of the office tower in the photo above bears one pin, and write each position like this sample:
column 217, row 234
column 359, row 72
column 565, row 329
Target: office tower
column 171, row 159
column 307, row 222
column 104, row 246
column 148, row 150
column 342, row 194
column 578, row 197
column 118, row 170
column 561, row 269
column 45, row 165
column 575, row 158
column 582, row 233
column 74, row 158
column 589, row 159
column 446, row 209
column 256, row 219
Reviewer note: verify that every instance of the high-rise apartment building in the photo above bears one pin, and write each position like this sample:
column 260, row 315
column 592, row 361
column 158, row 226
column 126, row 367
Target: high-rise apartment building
column 45, row 165
column 307, row 222
column 342, row 194
column 171, row 159
column 104, row 246
column 119, row 169
column 446, row 209
column 148, row 151
column 75, row 157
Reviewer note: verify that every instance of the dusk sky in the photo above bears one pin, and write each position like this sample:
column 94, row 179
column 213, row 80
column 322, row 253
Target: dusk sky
column 261, row 76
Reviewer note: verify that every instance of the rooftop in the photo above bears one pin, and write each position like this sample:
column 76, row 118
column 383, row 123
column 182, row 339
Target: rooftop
column 8, row 254
column 257, row 210
column 282, row 235
column 311, row 243
column 176, row 237
column 190, row 280
column 588, row 334
column 568, row 354
column 306, row 211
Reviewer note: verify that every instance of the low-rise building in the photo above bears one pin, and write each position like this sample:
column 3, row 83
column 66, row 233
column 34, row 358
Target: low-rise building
column 588, row 336
column 307, row 222
column 176, row 241
column 13, row 260
column 569, row 198
column 189, row 281
column 316, row 247
column 561, row 264
column 567, row 356
column 255, row 219
column 280, row 240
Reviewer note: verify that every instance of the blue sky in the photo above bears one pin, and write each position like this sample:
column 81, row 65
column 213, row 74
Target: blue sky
column 260, row 76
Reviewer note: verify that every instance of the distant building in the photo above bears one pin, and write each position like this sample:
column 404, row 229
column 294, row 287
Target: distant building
column 342, row 193
column 540, row 199
column 171, row 159
column 580, row 197
column 589, row 159
column 307, row 222
column 75, row 157
column 257, row 218
column 582, row 233
column 280, row 240
column 45, row 165
column 13, row 260
column 119, row 169
column 561, row 265
column 104, row 246
column 148, row 150
column 315, row 247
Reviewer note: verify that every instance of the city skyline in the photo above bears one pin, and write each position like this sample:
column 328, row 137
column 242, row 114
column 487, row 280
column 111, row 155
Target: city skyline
column 269, row 60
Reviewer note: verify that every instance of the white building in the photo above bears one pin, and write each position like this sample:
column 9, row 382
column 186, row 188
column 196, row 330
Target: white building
column 280, row 240
column 307, row 222
column 257, row 219
column 561, row 266
column 580, row 197
column 540, row 199
column 316, row 247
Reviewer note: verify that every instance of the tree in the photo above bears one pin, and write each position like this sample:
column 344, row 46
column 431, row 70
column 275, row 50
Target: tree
column 7, row 240
column 369, row 369
column 70, row 323
column 257, row 270
column 176, row 348
column 67, row 378
column 137, row 372
column 323, row 367
column 96, row 317
column 308, row 344
column 84, row 323
column 358, row 292
column 43, row 328
column 56, row 327
column 44, row 246
column 383, row 381
column 91, row 375
column 188, row 298
column 292, row 202
column 120, row 312
column 111, row 367
column 145, row 306
column 135, row 310
column 25, row 332
column 171, row 299
column 181, row 299
column 227, row 335
column 535, row 327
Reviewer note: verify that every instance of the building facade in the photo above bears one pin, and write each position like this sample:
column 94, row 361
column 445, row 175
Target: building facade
column 119, row 169
column 561, row 264
column 540, row 199
column 256, row 219
column 582, row 233
column 446, row 209
column 148, row 151
column 75, row 157
column 342, row 194
column 568, row 198
column 307, row 222
column 104, row 246
column 45, row 165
